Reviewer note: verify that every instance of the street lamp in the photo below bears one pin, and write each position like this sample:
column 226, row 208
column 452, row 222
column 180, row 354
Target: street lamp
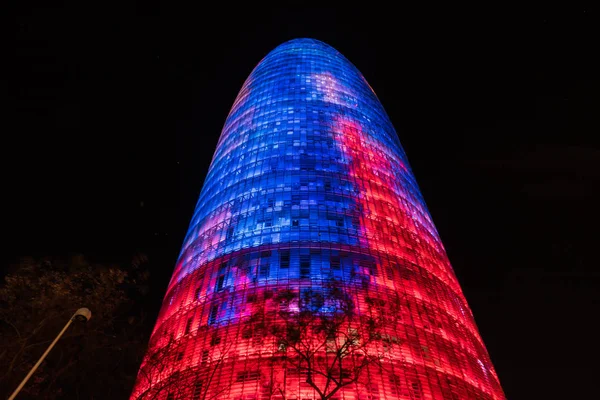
column 83, row 315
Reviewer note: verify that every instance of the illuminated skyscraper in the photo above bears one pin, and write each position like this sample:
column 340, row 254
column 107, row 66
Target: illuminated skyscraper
column 310, row 212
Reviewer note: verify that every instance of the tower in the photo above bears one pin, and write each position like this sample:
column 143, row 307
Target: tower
column 311, row 268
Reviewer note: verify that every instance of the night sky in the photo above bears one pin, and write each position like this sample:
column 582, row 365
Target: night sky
column 115, row 111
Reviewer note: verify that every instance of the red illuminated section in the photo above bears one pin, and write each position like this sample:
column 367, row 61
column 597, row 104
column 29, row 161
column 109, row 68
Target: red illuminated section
column 440, row 333
column 392, row 221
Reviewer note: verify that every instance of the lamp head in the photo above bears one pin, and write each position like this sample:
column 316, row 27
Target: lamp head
column 83, row 315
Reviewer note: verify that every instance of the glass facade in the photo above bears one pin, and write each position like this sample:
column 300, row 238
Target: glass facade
column 309, row 185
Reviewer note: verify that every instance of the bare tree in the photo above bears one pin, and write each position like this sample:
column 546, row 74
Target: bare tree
column 161, row 378
column 271, row 386
column 323, row 339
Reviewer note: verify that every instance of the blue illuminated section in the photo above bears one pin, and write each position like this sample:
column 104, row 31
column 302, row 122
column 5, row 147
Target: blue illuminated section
column 278, row 174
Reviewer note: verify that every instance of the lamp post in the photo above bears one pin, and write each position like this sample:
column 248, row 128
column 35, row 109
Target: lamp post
column 83, row 315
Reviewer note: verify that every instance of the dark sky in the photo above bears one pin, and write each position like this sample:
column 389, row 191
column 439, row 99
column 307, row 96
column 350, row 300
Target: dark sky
column 115, row 112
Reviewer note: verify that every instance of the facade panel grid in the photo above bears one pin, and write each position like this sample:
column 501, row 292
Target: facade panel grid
column 309, row 185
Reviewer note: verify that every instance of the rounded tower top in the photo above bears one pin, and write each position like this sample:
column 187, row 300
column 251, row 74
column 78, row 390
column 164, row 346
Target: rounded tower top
column 312, row 46
column 305, row 42
column 309, row 45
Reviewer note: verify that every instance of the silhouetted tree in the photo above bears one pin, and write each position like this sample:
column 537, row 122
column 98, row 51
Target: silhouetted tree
column 98, row 359
column 323, row 338
column 162, row 378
